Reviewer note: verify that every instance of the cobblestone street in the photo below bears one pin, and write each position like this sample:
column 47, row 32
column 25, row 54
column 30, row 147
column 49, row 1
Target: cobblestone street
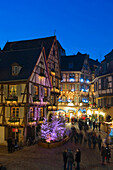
column 38, row 158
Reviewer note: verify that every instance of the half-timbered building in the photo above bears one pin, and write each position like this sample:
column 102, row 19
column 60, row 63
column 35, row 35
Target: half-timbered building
column 103, row 87
column 52, row 57
column 76, row 75
column 24, row 92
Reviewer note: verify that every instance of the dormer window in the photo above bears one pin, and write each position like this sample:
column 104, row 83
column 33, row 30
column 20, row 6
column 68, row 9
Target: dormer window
column 15, row 69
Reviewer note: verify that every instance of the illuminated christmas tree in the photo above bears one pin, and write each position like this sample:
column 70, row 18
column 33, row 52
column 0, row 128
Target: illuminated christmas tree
column 54, row 130
column 45, row 130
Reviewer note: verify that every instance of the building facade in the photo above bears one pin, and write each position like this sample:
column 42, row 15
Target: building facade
column 76, row 75
column 24, row 92
column 103, row 87
column 52, row 57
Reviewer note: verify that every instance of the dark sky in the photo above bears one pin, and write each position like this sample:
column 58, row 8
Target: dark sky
column 81, row 25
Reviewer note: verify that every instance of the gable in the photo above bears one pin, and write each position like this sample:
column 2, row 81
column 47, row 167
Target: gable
column 40, row 72
column 86, row 67
column 53, row 59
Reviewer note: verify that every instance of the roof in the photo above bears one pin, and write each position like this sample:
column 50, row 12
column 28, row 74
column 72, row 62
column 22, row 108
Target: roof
column 59, row 46
column 93, row 63
column 25, row 58
column 109, row 54
column 34, row 43
column 76, row 61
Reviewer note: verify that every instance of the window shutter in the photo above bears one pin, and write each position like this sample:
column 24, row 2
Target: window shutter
column 39, row 92
column 32, row 90
column 5, row 90
column 18, row 90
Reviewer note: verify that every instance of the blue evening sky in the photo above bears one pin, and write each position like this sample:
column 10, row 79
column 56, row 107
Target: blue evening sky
column 81, row 25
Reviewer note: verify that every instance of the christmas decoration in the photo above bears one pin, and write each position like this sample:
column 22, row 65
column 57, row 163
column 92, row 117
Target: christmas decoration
column 53, row 130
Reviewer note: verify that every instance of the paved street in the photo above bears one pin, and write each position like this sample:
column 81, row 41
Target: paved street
column 38, row 158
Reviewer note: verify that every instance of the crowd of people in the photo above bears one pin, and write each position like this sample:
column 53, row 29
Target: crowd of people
column 90, row 139
column 69, row 158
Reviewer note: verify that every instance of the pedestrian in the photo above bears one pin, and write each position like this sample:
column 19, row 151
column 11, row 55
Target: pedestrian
column 99, row 140
column 81, row 137
column 94, row 140
column 103, row 153
column 108, row 153
column 99, row 125
column 65, row 158
column 96, row 125
column 93, row 125
column 78, row 158
column 9, row 143
column 89, row 140
column 70, row 159
column 85, row 139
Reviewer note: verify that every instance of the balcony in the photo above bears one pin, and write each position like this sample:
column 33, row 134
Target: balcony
column 12, row 98
column 14, row 121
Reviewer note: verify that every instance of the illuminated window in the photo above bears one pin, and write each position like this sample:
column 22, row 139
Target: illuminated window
column 36, row 90
column 45, row 92
column 63, row 86
column 12, row 90
column 41, row 112
column 15, row 112
column 31, row 112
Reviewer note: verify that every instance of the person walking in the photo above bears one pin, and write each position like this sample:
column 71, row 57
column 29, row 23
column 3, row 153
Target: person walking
column 99, row 125
column 9, row 142
column 93, row 125
column 81, row 137
column 89, row 140
column 65, row 158
column 70, row 159
column 99, row 140
column 78, row 158
column 94, row 140
column 108, row 153
column 103, row 153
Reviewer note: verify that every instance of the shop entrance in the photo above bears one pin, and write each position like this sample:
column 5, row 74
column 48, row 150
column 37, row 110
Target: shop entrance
column 12, row 132
column 31, row 132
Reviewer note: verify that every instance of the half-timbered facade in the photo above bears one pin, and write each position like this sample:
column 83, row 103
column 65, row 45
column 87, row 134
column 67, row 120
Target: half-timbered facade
column 76, row 75
column 24, row 92
column 103, row 86
column 52, row 56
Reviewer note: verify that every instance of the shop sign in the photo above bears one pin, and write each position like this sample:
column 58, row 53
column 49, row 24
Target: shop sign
column 14, row 130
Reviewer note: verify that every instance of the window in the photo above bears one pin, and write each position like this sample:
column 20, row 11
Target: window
column 67, row 86
column 15, row 69
column 36, row 90
column 71, row 77
column 45, row 92
column 41, row 112
column 63, row 86
column 31, row 113
column 12, row 90
column 70, row 65
column 15, row 112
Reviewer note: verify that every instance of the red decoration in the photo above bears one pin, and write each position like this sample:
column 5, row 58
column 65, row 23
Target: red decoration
column 14, row 130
